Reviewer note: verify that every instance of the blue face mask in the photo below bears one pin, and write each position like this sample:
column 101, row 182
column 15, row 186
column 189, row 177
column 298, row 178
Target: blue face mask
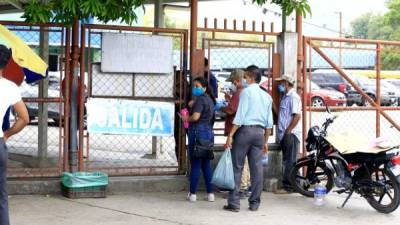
column 244, row 83
column 197, row 91
column 281, row 88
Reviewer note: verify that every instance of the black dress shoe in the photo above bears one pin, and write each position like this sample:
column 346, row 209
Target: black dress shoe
column 253, row 209
column 231, row 208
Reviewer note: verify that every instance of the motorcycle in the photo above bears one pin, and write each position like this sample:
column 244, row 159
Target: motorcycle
column 374, row 174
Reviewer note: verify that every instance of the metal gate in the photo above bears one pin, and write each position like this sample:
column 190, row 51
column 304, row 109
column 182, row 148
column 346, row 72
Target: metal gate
column 130, row 154
column 234, row 46
column 352, row 71
column 37, row 151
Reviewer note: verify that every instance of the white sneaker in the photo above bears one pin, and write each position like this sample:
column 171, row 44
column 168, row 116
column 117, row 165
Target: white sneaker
column 211, row 197
column 191, row 197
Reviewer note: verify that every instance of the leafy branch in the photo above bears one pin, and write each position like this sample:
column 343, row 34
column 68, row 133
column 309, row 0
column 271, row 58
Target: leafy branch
column 289, row 6
column 65, row 11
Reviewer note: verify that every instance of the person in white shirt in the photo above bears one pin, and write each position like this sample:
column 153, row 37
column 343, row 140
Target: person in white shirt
column 9, row 96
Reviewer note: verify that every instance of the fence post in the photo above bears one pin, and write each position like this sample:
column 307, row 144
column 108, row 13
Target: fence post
column 73, row 142
column 43, row 107
column 378, row 88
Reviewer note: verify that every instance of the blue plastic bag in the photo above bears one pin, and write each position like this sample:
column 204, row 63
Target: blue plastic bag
column 223, row 175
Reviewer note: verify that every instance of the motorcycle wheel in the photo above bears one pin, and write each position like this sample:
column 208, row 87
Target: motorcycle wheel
column 384, row 199
column 304, row 176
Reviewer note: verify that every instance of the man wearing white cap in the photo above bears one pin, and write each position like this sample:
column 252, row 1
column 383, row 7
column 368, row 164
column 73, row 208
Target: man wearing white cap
column 289, row 129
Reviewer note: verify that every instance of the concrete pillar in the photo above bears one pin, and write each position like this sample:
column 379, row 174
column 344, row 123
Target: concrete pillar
column 287, row 48
column 159, row 23
column 158, row 13
column 43, row 107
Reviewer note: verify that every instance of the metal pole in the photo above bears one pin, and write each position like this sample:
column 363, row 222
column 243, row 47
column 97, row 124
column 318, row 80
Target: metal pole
column 300, row 57
column 43, row 107
column 193, row 31
column 158, row 23
column 73, row 146
column 81, row 93
column 158, row 13
column 378, row 88
column 340, row 35
column 304, row 96
column 67, row 98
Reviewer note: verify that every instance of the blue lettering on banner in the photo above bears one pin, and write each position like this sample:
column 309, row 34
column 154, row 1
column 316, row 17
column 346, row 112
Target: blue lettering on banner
column 109, row 116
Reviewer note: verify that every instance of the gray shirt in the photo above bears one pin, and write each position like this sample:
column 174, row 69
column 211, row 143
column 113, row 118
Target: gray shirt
column 290, row 105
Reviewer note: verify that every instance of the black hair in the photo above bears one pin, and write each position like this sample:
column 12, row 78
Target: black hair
column 254, row 72
column 205, row 62
column 5, row 55
column 204, row 83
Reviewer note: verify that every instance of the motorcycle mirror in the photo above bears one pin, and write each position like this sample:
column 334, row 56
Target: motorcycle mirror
column 328, row 109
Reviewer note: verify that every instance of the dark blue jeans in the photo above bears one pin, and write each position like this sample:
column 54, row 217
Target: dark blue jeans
column 198, row 165
column 4, row 219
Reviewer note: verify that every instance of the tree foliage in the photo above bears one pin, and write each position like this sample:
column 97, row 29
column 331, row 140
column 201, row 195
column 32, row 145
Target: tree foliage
column 289, row 6
column 64, row 11
column 382, row 27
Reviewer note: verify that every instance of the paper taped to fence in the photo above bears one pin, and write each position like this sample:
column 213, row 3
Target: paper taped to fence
column 113, row 116
column 135, row 53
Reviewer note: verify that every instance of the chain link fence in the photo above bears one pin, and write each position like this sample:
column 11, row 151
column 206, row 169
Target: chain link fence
column 37, row 150
column 135, row 154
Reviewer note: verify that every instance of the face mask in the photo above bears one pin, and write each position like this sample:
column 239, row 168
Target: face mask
column 197, row 91
column 244, row 83
column 281, row 88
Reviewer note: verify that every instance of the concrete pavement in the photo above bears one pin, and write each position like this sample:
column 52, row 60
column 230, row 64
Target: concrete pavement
column 171, row 208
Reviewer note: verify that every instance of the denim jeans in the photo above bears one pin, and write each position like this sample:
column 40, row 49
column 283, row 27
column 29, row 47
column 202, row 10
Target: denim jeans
column 4, row 218
column 197, row 165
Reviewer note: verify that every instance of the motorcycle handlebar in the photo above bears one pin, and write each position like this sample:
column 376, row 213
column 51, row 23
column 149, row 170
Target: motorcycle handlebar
column 328, row 122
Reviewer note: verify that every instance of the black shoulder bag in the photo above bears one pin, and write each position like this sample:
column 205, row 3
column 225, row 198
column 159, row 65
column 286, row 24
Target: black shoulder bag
column 203, row 148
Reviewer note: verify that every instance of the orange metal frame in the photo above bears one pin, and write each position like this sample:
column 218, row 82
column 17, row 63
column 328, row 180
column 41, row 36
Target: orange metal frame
column 308, row 42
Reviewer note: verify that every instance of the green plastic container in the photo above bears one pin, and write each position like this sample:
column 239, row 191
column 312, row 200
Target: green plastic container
column 84, row 184
column 84, row 179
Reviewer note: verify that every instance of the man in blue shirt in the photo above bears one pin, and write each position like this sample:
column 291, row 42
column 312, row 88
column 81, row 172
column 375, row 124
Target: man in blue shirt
column 289, row 128
column 249, row 137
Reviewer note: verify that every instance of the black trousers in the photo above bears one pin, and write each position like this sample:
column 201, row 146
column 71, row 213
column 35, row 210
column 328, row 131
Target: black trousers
column 290, row 147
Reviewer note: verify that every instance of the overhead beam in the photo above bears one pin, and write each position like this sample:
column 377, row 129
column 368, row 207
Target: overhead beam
column 15, row 3
column 4, row 9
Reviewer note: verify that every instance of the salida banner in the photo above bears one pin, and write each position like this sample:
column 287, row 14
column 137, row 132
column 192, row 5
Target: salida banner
column 113, row 116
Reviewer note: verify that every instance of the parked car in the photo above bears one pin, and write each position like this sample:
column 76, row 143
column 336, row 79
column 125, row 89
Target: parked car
column 390, row 86
column 395, row 82
column 331, row 79
column 388, row 96
column 319, row 97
